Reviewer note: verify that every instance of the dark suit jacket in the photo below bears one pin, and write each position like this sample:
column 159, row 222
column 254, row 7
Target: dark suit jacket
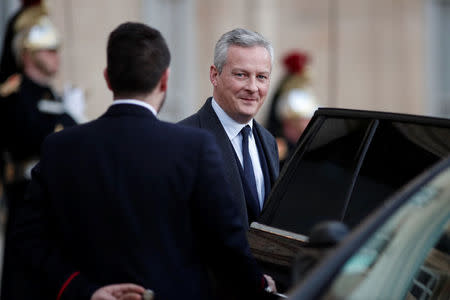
column 207, row 119
column 129, row 198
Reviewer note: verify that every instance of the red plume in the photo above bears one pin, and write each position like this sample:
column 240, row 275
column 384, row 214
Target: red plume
column 295, row 61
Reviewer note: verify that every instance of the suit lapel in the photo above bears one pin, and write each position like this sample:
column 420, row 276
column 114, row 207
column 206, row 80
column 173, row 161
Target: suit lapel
column 270, row 152
column 210, row 121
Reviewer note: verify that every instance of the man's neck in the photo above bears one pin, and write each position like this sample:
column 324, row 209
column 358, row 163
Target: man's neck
column 136, row 102
column 224, row 116
column 148, row 99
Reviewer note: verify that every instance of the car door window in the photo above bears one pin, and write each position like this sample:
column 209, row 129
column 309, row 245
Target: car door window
column 398, row 152
column 320, row 181
column 406, row 258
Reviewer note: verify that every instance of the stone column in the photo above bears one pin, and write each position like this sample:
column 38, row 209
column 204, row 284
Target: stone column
column 176, row 21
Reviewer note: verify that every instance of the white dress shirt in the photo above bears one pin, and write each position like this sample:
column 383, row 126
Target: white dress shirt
column 135, row 102
column 233, row 130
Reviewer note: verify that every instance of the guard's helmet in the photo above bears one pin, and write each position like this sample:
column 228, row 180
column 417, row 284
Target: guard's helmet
column 34, row 31
column 296, row 104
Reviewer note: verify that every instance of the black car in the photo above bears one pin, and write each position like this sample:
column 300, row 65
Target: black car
column 346, row 165
column 401, row 252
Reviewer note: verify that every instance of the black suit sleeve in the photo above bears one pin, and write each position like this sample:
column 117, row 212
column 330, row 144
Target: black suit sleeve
column 36, row 241
column 217, row 218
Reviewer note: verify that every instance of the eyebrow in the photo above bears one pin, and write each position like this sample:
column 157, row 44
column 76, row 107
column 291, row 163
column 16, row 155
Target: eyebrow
column 243, row 70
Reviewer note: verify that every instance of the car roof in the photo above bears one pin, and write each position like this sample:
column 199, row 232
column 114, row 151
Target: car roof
column 371, row 114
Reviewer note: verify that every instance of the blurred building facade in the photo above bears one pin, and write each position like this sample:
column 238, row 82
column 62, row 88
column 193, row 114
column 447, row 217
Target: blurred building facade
column 389, row 55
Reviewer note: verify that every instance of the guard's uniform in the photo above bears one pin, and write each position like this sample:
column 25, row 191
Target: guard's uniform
column 29, row 112
column 32, row 112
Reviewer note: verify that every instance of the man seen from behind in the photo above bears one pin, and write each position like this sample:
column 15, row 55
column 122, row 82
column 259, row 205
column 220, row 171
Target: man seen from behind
column 139, row 201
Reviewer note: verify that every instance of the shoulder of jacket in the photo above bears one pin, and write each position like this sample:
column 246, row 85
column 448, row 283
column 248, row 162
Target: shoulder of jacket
column 10, row 85
column 266, row 134
column 192, row 120
column 262, row 129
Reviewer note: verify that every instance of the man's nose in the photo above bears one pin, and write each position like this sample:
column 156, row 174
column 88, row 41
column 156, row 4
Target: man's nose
column 251, row 84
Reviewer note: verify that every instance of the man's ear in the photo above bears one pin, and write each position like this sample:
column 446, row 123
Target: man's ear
column 105, row 75
column 213, row 73
column 164, row 80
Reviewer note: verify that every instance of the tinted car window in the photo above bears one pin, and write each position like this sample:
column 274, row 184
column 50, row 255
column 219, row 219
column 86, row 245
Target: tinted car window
column 406, row 258
column 397, row 153
column 345, row 167
column 320, row 180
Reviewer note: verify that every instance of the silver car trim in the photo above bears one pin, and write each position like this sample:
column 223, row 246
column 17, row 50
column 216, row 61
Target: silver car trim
column 281, row 232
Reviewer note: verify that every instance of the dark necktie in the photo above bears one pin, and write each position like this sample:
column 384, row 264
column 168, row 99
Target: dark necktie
column 248, row 166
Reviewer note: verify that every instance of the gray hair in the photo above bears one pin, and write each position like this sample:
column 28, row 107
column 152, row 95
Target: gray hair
column 242, row 38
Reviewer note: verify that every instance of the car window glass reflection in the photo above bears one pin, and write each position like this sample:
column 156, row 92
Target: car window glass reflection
column 408, row 257
column 321, row 180
column 392, row 161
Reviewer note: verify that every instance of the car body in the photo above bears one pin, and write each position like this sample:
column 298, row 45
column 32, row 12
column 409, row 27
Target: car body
column 347, row 164
column 401, row 252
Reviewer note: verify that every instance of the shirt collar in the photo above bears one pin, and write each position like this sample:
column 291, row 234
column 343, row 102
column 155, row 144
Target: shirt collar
column 135, row 102
column 232, row 128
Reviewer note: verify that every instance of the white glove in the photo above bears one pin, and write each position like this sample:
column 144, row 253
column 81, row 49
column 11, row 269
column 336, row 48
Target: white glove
column 74, row 103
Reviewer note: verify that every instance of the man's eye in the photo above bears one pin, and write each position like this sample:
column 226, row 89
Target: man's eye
column 239, row 74
column 262, row 77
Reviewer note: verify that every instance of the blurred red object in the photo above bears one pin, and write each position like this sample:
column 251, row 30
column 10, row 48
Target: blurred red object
column 295, row 61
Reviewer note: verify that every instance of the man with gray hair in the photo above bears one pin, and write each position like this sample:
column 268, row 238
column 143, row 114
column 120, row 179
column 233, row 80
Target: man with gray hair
column 240, row 77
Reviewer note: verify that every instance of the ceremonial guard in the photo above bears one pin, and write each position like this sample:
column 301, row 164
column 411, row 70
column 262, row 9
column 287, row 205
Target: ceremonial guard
column 8, row 67
column 293, row 104
column 29, row 111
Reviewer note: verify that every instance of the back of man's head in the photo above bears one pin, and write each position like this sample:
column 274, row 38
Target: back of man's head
column 137, row 56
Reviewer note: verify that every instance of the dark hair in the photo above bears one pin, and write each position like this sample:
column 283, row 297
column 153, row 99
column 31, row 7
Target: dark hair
column 137, row 56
